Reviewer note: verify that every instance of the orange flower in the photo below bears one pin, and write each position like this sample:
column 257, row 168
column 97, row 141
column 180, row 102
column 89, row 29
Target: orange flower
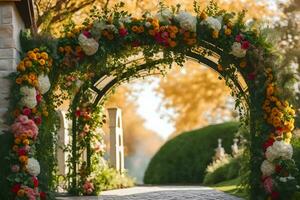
column 35, row 50
column 78, row 49
column 19, row 81
column 25, row 77
column 141, row 29
column 152, row 32
column 44, row 55
column 227, row 31
column 23, row 136
column 70, row 35
column 35, row 83
column 172, row 35
column 61, row 49
column 28, row 63
column 42, row 62
column 68, row 49
column 186, row 34
column 32, row 76
column 21, row 193
column 229, row 24
column 32, row 56
column 23, row 159
column 38, row 55
column 17, row 141
column 191, row 42
column 135, row 29
column 26, row 142
column 45, row 113
column 162, row 28
column 243, row 64
column 172, row 43
column 16, row 112
column 215, row 34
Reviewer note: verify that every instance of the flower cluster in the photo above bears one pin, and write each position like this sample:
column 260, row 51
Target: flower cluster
column 33, row 82
column 278, row 167
column 88, row 188
column 240, row 46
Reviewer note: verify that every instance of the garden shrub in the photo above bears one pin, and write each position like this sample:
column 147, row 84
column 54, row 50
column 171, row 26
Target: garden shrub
column 184, row 158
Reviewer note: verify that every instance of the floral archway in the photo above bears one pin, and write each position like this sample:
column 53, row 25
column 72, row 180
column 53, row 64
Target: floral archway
column 71, row 66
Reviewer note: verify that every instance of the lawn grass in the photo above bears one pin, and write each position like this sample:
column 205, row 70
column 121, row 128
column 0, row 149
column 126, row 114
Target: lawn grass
column 230, row 187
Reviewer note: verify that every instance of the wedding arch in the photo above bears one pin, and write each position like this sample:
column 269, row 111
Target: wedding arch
column 111, row 47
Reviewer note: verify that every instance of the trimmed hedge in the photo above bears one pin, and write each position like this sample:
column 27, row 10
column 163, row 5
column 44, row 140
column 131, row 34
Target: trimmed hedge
column 184, row 158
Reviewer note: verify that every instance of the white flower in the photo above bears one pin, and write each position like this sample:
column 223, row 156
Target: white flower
column 29, row 96
column 237, row 51
column 267, row 168
column 33, row 167
column 164, row 16
column 147, row 24
column 214, row 23
column 89, row 45
column 78, row 83
column 44, row 83
column 187, row 21
column 126, row 20
column 111, row 28
column 279, row 149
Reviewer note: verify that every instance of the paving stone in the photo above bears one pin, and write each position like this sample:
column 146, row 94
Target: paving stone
column 160, row 193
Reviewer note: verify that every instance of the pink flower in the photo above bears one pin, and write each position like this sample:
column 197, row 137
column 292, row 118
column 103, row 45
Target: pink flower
column 245, row 45
column 15, row 168
column 123, row 32
column 268, row 184
column 88, row 187
column 24, row 125
column 26, row 111
column 239, row 38
column 87, row 34
column 16, row 188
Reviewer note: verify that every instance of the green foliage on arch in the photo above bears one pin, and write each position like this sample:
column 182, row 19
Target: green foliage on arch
column 102, row 46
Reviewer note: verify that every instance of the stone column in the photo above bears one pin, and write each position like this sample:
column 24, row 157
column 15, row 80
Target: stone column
column 63, row 140
column 116, row 139
column 10, row 26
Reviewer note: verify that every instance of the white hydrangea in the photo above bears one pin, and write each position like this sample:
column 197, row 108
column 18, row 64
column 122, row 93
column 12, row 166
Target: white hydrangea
column 237, row 51
column 267, row 168
column 33, row 167
column 44, row 83
column 28, row 96
column 164, row 16
column 89, row 45
column 214, row 23
column 187, row 21
column 279, row 149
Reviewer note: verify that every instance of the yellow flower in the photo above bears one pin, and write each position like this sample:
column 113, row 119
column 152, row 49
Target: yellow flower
column 229, row 25
column 26, row 142
column 35, row 50
column 17, row 141
column 42, row 62
column 288, row 135
column 135, row 29
column 19, row 81
column 38, row 55
column 227, row 31
column 28, row 63
column 141, row 29
column 44, row 55
column 215, row 34
column 32, row 56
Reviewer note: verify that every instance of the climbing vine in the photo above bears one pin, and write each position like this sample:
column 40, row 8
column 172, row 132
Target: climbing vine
column 108, row 43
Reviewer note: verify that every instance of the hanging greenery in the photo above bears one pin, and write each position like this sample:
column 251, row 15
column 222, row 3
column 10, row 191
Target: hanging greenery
column 102, row 46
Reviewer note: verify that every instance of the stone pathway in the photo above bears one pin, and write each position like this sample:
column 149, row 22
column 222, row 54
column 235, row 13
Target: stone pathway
column 160, row 193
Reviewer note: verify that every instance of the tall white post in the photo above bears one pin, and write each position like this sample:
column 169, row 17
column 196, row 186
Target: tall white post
column 116, row 139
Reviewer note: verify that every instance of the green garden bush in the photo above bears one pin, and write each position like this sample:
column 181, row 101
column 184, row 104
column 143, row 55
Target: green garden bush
column 225, row 172
column 184, row 158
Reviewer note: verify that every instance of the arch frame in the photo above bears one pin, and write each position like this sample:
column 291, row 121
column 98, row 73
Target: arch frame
column 83, row 56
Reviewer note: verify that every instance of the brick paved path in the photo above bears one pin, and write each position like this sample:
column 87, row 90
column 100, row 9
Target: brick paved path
column 160, row 193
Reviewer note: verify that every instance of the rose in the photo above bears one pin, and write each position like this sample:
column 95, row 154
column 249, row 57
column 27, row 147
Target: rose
column 267, row 168
column 279, row 149
column 164, row 16
column 26, row 111
column 268, row 184
column 33, row 167
column 123, row 32
column 44, row 83
column 22, row 152
column 24, row 125
column 214, row 23
column 245, row 45
column 42, row 195
column 16, row 188
column 89, row 45
column 237, row 51
column 39, row 98
column 35, row 181
column 187, row 21
column 38, row 120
